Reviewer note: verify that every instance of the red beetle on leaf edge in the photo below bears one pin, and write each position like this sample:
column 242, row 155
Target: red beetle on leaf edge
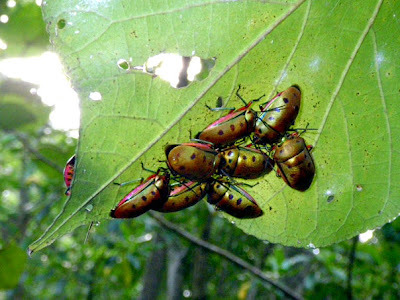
column 69, row 172
column 152, row 193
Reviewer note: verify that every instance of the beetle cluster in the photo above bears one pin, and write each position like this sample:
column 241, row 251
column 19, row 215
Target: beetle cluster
column 208, row 165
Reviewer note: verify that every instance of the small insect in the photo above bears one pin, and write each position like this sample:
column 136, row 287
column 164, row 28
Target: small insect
column 277, row 116
column 183, row 196
column 69, row 172
column 295, row 163
column 194, row 161
column 245, row 162
column 152, row 193
column 233, row 200
column 236, row 125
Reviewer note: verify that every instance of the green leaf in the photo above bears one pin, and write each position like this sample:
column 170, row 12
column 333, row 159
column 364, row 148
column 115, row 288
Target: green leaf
column 342, row 54
column 19, row 108
column 12, row 261
column 22, row 114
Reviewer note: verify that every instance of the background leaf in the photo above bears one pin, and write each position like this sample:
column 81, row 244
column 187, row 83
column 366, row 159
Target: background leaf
column 12, row 260
column 342, row 54
column 24, row 33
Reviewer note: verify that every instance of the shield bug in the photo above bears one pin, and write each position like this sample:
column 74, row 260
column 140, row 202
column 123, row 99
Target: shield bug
column 277, row 116
column 245, row 162
column 233, row 200
column 195, row 161
column 69, row 172
column 230, row 128
column 295, row 163
column 152, row 193
column 183, row 196
column 236, row 125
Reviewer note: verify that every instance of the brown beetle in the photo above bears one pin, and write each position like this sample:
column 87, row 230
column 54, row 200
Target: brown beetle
column 195, row 161
column 295, row 163
column 153, row 193
column 230, row 128
column 233, row 200
column 277, row 116
column 183, row 196
column 245, row 162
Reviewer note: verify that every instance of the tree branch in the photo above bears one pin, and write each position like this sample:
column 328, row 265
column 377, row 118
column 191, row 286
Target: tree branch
column 225, row 254
column 352, row 258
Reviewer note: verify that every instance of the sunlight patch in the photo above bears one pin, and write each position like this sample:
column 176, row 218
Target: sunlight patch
column 178, row 70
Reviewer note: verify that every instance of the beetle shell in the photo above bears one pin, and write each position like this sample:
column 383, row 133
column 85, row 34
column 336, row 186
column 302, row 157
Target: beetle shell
column 69, row 172
column 245, row 162
column 233, row 200
column 277, row 116
column 194, row 161
column 230, row 128
column 295, row 163
column 184, row 196
column 153, row 192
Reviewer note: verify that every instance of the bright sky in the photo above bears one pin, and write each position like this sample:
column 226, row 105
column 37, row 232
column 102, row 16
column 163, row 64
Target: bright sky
column 54, row 87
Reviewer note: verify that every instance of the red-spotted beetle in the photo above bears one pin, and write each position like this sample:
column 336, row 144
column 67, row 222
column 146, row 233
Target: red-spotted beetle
column 69, row 172
column 245, row 162
column 183, row 196
column 295, row 163
column 277, row 116
column 152, row 193
column 194, row 161
column 233, row 200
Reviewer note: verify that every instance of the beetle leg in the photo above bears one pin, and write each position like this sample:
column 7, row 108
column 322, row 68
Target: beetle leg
column 246, row 184
column 219, row 108
column 129, row 182
column 244, row 101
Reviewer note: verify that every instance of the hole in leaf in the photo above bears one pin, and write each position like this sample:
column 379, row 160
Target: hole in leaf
column 178, row 70
column 123, row 64
column 330, row 198
column 61, row 23
column 95, row 96
column 220, row 102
